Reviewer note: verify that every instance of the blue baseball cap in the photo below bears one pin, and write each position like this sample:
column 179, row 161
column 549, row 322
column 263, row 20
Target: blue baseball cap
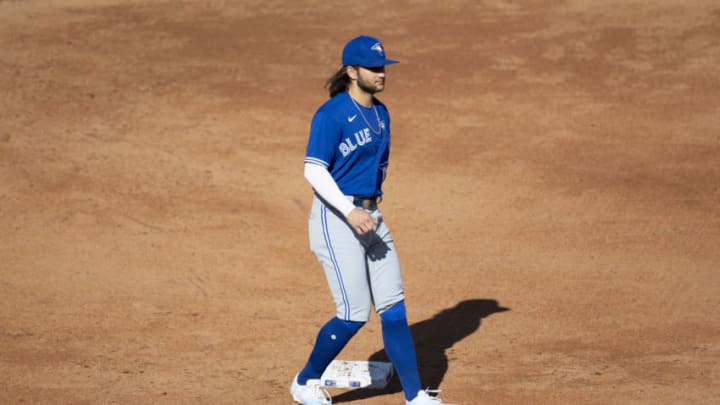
column 365, row 51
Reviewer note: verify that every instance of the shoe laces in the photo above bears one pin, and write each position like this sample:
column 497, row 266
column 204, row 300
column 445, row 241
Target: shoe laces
column 434, row 393
column 319, row 391
column 434, row 397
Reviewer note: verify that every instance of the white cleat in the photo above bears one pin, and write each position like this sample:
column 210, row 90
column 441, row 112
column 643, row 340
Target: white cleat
column 310, row 394
column 424, row 398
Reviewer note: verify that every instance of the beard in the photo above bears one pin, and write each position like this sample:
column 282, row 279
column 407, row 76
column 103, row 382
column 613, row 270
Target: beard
column 369, row 87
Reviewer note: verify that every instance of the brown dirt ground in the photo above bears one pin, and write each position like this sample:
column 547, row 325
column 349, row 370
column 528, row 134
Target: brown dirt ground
column 554, row 192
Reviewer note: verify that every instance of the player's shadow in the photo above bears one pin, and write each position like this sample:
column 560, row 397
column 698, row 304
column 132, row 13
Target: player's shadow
column 432, row 338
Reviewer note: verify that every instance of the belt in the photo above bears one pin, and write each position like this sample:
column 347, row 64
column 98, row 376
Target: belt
column 368, row 203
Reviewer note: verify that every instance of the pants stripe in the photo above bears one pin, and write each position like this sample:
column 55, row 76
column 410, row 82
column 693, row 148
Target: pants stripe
column 336, row 266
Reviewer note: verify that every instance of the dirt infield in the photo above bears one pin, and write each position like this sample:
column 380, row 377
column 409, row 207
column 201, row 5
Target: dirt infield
column 554, row 193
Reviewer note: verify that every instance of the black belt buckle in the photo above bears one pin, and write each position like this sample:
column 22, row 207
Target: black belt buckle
column 368, row 203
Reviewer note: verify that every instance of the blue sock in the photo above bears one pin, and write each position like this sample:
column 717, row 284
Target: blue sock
column 400, row 348
column 331, row 339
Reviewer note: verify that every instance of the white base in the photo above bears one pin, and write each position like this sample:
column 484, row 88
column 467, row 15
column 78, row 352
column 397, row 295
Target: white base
column 357, row 374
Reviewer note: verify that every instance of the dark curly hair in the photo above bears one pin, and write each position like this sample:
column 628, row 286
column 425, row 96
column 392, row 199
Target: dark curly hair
column 338, row 83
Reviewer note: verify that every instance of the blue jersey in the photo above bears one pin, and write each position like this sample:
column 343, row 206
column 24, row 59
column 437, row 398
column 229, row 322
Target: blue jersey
column 353, row 143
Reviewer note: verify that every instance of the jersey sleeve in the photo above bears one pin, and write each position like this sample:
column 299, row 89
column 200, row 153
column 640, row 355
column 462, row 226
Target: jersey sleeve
column 324, row 138
column 384, row 163
column 385, row 158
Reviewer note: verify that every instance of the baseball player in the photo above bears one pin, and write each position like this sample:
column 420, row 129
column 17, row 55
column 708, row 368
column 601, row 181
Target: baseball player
column 346, row 163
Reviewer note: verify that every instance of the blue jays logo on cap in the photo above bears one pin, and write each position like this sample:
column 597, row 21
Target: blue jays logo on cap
column 365, row 51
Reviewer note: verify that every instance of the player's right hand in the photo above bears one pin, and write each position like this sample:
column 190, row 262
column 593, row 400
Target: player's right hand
column 361, row 221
